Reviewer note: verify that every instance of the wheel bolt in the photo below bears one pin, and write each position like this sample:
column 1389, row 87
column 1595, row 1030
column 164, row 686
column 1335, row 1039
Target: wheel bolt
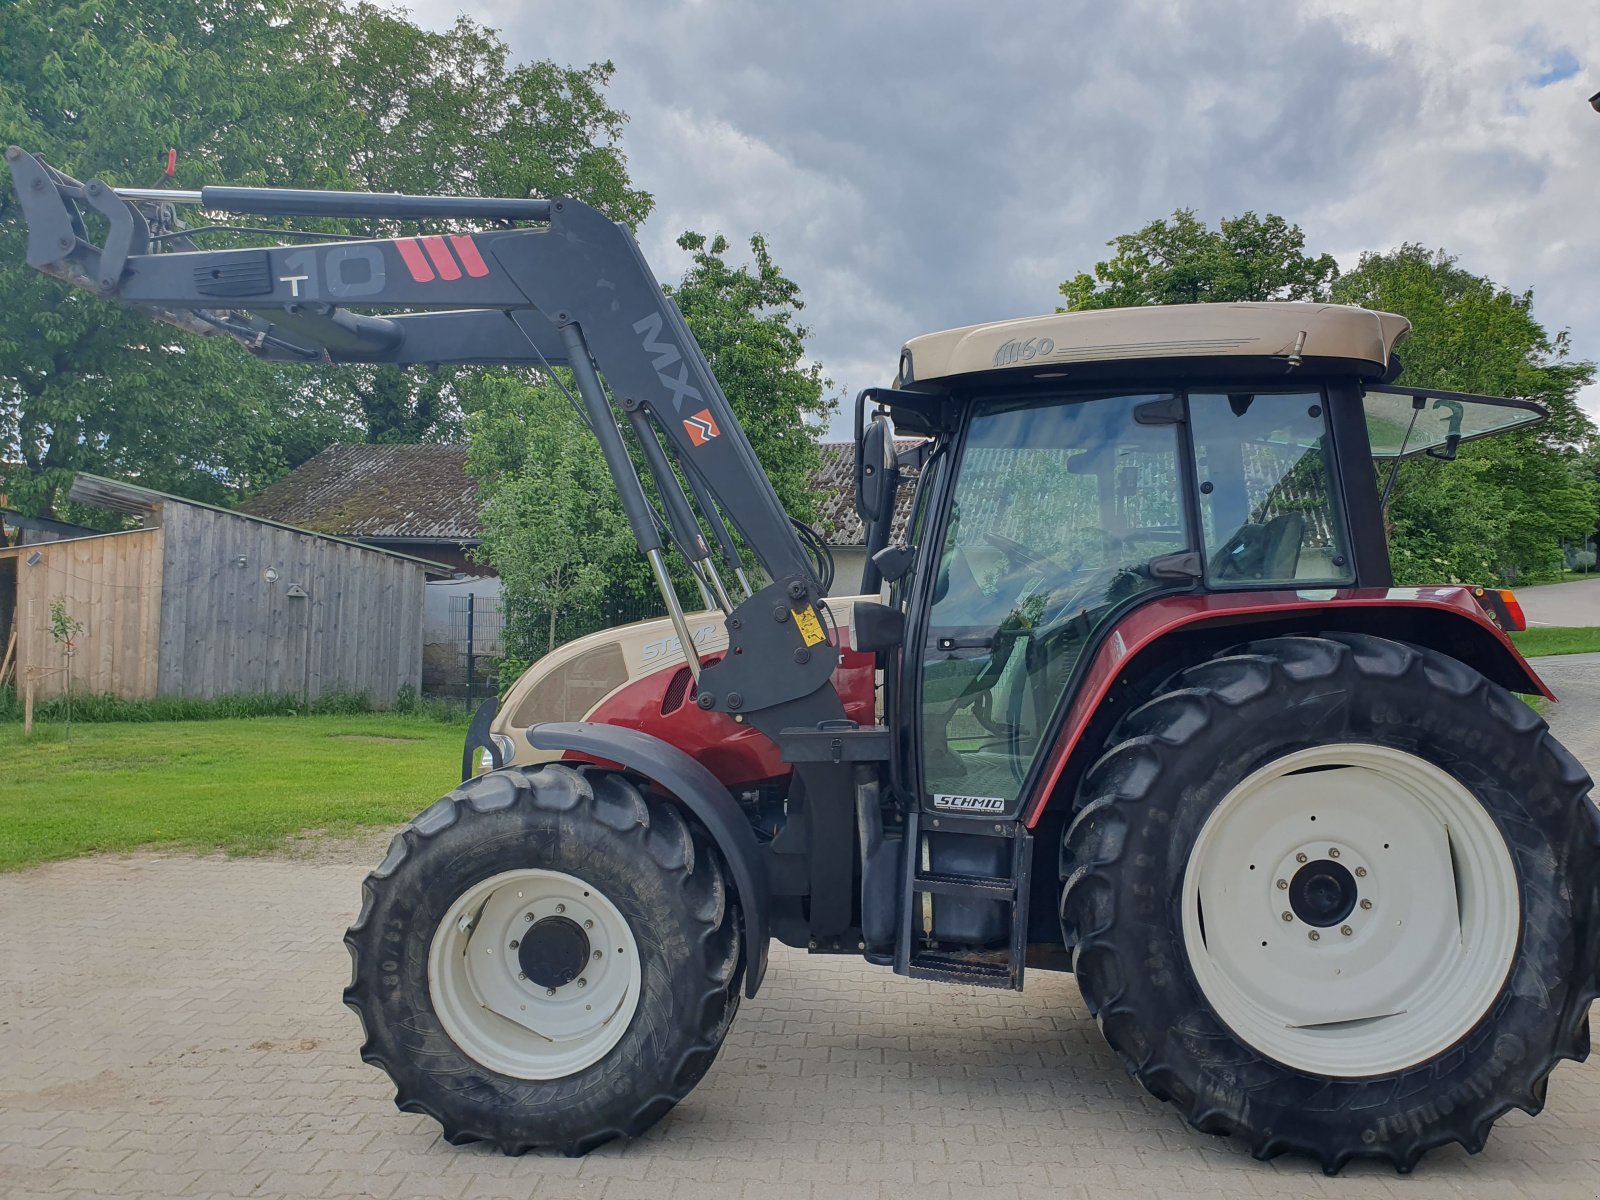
column 1300, row 858
column 549, row 991
column 528, row 917
column 1333, row 852
column 521, row 975
column 1283, row 885
column 588, row 924
column 1366, row 904
column 1361, row 872
column 561, row 908
column 597, row 956
column 1314, row 936
column 515, row 943
column 1346, row 930
column 1288, row 916
column 583, row 983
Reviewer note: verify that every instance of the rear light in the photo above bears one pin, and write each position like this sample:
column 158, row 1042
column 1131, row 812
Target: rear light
column 1502, row 607
column 1515, row 621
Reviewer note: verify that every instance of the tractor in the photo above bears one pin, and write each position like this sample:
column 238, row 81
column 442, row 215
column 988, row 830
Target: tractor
column 1133, row 696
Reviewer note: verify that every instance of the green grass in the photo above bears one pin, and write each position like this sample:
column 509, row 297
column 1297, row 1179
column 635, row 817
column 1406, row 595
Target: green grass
column 236, row 785
column 1558, row 640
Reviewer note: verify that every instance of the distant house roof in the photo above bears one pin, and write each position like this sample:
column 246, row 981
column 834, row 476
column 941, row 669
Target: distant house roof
column 400, row 493
column 423, row 493
column 835, row 485
column 145, row 503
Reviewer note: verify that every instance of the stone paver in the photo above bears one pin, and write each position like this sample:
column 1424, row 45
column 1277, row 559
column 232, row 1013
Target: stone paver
column 171, row 1026
column 1575, row 679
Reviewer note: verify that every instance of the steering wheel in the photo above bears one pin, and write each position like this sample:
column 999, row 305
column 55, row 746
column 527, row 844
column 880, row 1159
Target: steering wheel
column 1019, row 554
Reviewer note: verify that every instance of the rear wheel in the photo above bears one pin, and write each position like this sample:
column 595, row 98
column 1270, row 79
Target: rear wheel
column 1339, row 896
column 547, row 958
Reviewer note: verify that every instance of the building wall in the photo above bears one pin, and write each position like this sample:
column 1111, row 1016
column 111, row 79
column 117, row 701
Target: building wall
column 227, row 627
column 110, row 583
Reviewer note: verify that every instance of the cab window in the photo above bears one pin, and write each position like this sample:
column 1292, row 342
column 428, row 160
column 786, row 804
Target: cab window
column 1267, row 512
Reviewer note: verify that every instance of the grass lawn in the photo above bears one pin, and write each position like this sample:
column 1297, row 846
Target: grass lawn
column 235, row 785
column 1557, row 639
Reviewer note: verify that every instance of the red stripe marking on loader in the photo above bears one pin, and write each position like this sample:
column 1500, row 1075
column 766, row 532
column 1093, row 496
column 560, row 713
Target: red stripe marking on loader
column 443, row 261
column 415, row 263
column 467, row 250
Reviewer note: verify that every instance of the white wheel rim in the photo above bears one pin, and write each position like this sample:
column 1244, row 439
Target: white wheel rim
column 1423, row 951
column 515, row 1025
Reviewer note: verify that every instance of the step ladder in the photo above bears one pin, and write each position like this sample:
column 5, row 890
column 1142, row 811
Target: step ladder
column 917, row 954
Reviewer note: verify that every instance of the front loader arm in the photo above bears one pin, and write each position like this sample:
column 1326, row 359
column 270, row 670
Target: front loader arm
column 549, row 283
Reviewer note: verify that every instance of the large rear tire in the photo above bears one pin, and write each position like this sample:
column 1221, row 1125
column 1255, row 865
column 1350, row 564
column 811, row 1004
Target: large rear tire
column 1338, row 896
column 547, row 959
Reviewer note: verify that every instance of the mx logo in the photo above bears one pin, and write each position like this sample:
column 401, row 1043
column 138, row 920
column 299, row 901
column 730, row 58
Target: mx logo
column 701, row 428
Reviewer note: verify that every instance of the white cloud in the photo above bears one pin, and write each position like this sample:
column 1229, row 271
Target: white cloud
column 919, row 164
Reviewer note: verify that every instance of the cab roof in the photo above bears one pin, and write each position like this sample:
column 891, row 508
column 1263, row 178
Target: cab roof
column 1093, row 343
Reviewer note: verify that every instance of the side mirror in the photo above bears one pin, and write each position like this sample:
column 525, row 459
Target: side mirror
column 875, row 467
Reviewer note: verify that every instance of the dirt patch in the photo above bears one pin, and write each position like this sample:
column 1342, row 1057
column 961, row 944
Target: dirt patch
column 371, row 737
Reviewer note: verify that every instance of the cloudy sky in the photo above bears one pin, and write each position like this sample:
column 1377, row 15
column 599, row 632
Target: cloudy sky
column 919, row 164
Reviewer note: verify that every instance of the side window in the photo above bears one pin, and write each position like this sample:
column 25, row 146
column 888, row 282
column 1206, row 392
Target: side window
column 1266, row 505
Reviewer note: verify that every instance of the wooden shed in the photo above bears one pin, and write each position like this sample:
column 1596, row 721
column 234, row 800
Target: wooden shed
column 203, row 601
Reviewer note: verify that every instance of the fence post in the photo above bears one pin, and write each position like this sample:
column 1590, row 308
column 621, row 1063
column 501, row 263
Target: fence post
column 27, row 706
column 470, row 598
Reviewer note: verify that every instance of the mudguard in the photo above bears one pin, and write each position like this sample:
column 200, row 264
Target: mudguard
column 699, row 791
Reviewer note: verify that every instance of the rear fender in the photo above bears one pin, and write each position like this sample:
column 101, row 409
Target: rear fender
column 1172, row 632
column 698, row 791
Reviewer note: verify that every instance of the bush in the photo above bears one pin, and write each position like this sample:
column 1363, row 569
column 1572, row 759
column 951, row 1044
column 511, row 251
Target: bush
column 105, row 708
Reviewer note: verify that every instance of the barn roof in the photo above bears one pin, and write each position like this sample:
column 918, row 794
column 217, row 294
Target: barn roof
column 409, row 493
column 835, row 485
column 145, row 503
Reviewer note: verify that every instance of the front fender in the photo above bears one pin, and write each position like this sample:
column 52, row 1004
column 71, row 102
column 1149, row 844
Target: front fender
column 699, row 791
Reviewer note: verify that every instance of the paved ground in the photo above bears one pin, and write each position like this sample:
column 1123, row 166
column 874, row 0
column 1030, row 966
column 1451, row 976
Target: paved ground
column 170, row 1026
column 1575, row 679
column 1576, row 602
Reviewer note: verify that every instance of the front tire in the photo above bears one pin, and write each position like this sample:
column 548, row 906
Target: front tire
column 547, row 959
column 1389, row 979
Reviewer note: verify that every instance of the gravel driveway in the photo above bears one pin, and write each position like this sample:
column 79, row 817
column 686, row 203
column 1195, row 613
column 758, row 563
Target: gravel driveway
column 171, row 1026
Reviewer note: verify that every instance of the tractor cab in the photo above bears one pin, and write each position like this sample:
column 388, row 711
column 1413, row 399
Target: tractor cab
column 1083, row 465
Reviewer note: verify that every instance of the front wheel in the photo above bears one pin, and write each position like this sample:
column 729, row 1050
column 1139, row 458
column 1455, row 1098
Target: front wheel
column 547, row 958
column 1339, row 896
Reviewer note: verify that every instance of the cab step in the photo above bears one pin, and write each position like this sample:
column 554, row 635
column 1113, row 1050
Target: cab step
column 965, row 926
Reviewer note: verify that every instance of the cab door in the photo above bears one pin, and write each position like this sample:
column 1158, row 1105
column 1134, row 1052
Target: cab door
column 1057, row 510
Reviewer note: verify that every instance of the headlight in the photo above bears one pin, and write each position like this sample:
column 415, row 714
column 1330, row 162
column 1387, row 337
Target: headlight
column 502, row 743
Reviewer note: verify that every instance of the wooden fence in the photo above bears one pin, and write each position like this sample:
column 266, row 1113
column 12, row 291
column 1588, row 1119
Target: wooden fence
column 112, row 584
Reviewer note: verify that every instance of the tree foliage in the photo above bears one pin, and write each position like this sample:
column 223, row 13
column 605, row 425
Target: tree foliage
column 305, row 93
column 1502, row 510
column 552, row 524
column 1184, row 261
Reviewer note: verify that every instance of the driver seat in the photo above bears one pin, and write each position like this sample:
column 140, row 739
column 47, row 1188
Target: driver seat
column 1268, row 552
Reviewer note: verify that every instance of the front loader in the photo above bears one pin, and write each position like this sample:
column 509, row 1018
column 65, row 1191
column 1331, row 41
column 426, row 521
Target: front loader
column 1135, row 697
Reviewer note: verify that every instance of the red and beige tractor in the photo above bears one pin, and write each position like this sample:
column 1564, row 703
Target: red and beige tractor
column 1135, row 697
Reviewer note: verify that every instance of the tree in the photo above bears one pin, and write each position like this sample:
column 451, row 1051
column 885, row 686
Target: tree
column 1503, row 508
column 747, row 320
column 308, row 93
column 1183, row 261
column 553, row 526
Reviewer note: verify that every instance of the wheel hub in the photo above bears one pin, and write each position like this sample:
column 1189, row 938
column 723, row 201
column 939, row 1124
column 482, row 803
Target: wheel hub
column 553, row 952
column 1323, row 893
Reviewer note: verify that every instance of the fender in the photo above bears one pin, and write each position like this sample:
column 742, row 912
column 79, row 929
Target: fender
column 1447, row 619
column 699, row 791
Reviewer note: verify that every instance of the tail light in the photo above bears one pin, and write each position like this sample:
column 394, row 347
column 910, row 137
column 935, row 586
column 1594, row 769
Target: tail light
column 1502, row 606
